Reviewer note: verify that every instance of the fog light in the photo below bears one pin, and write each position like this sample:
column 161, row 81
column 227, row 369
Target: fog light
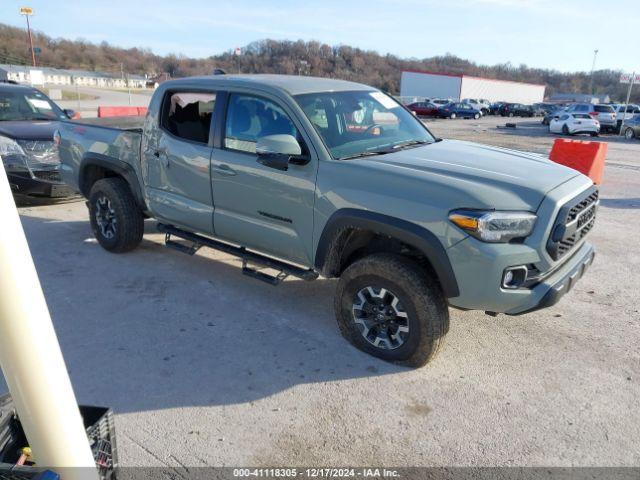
column 508, row 277
column 514, row 277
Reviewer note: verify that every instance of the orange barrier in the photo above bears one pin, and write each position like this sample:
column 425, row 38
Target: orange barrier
column 121, row 111
column 586, row 157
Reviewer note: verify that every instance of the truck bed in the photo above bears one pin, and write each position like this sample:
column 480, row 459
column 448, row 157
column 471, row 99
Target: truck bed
column 78, row 141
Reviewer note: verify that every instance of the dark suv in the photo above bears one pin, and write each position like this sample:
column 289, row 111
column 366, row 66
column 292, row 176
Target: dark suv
column 28, row 119
column 516, row 110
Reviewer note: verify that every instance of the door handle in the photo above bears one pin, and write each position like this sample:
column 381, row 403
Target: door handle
column 224, row 169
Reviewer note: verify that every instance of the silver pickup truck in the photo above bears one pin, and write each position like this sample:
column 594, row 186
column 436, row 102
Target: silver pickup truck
column 303, row 177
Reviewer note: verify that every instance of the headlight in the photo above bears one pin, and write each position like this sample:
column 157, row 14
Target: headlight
column 10, row 147
column 12, row 154
column 492, row 226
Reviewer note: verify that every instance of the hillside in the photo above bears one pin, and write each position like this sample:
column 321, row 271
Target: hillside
column 291, row 57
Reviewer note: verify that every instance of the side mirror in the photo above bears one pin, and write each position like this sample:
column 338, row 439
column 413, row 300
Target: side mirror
column 72, row 114
column 275, row 151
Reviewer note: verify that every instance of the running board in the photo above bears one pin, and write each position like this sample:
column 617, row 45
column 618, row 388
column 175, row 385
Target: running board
column 181, row 247
column 248, row 257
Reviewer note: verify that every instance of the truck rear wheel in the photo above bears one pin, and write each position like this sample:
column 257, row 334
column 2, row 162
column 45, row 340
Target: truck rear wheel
column 116, row 220
column 388, row 306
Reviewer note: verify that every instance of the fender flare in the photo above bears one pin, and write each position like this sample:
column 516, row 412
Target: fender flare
column 117, row 166
column 407, row 232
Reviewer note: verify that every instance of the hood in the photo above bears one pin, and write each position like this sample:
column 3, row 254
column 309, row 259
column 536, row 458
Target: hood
column 494, row 177
column 26, row 130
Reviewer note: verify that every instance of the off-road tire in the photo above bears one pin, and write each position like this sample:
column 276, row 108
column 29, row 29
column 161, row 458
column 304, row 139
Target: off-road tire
column 129, row 225
column 420, row 295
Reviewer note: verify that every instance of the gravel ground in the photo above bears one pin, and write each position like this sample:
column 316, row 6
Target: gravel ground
column 204, row 366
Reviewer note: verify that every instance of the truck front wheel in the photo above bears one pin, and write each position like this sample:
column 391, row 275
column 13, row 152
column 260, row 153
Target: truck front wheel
column 116, row 220
column 388, row 306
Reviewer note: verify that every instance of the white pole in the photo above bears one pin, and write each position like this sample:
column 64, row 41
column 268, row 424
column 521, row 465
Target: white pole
column 593, row 66
column 626, row 104
column 31, row 359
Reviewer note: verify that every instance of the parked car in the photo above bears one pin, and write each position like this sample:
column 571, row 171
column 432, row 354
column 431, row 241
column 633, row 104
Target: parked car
column 494, row 109
column 458, row 109
column 554, row 113
column 605, row 114
column 28, row 119
column 262, row 167
column 541, row 109
column 574, row 123
column 516, row 110
column 479, row 104
column 441, row 101
column 632, row 127
column 624, row 111
column 424, row 109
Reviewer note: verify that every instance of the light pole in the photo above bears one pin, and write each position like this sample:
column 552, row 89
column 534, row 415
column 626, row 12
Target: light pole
column 593, row 66
column 27, row 12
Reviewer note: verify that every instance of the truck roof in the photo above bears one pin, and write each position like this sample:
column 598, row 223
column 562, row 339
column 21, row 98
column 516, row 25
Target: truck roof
column 292, row 84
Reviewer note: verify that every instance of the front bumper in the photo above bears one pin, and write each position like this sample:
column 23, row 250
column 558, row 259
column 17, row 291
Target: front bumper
column 479, row 269
column 560, row 284
column 25, row 184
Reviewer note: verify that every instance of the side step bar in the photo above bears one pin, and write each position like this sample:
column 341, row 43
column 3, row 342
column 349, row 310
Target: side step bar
column 247, row 256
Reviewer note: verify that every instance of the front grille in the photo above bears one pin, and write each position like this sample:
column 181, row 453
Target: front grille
column 575, row 220
column 49, row 175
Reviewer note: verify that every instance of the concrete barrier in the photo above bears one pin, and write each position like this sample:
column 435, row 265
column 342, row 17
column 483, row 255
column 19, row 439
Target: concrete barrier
column 121, row 112
column 583, row 156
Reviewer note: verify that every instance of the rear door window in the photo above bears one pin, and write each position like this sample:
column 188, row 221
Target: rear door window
column 187, row 115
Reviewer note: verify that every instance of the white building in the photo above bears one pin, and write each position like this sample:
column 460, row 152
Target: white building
column 57, row 76
column 458, row 87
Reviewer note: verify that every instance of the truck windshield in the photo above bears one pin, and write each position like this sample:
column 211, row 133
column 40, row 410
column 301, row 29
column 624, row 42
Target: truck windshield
column 362, row 123
column 27, row 105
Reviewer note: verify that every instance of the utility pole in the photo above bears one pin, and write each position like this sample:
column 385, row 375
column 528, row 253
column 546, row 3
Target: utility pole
column 236, row 54
column 593, row 66
column 626, row 103
column 27, row 12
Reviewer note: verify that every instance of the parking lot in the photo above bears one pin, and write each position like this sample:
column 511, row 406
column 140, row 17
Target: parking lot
column 204, row 366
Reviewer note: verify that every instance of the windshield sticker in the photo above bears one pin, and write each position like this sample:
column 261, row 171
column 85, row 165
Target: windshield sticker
column 384, row 100
column 41, row 104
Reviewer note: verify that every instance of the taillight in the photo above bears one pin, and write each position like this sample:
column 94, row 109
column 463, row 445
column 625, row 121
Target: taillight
column 593, row 114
